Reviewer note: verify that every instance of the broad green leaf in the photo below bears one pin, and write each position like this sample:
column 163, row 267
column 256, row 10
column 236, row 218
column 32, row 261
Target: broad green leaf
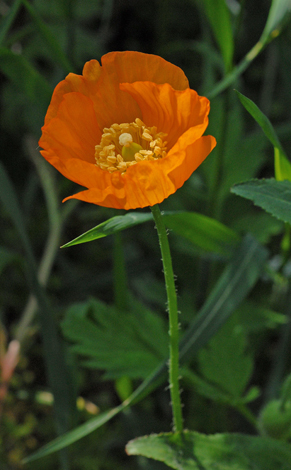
column 57, row 371
column 219, row 18
column 204, row 232
column 282, row 164
column 113, row 225
column 193, row 451
column 233, row 286
column 225, row 361
column 273, row 196
column 24, row 76
column 119, row 342
column 278, row 16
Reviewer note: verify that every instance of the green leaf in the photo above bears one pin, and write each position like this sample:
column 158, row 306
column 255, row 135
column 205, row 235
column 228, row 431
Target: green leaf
column 113, row 225
column 121, row 343
column 219, row 18
column 255, row 318
column 204, row 232
column 8, row 19
column 57, row 371
column 273, row 196
column 194, row 451
column 24, row 76
column 48, row 37
column 224, row 361
column 278, row 16
column 214, row 393
column 233, row 286
column 282, row 164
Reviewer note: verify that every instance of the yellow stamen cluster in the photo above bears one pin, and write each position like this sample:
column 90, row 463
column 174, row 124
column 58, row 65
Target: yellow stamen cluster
column 123, row 145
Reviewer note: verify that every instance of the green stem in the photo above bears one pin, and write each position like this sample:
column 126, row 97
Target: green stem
column 173, row 320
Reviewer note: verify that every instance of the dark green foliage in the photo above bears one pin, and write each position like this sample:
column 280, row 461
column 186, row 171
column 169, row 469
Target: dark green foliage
column 86, row 337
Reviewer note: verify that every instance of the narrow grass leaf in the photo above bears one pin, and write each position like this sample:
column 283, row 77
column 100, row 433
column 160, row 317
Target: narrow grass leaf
column 233, row 286
column 58, row 375
column 277, row 18
column 24, row 76
column 191, row 450
column 48, row 37
column 110, row 226
column 7, row 21
column 219, row 18
column 204, row 232
column 271, row 195
column 282, row 164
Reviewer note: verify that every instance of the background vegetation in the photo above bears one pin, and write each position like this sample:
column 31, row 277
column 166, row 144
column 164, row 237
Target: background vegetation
column 114, row 287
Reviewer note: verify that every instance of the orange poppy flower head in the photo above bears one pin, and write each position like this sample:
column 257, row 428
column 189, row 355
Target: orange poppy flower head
column 130, row 131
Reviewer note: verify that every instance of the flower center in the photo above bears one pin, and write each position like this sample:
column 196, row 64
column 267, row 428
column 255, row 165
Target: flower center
column 123, row 145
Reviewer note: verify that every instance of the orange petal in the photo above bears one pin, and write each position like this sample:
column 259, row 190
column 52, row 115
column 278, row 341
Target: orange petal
column 150, row 182
column 74, row 131
column 101, row 84
column 85, row 84
column 185, row 157
column 171, row 111
column 131, row 66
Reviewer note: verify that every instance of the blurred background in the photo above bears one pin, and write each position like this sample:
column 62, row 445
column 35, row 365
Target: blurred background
column 40, row 43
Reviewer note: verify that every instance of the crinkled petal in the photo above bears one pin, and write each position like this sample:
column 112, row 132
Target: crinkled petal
column 150, row 182
column 171, row 111
column 131, row 66
column 74, row 132
column 101, row 84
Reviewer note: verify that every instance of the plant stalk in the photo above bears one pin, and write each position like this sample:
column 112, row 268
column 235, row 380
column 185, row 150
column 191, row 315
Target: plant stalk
column 173, row 320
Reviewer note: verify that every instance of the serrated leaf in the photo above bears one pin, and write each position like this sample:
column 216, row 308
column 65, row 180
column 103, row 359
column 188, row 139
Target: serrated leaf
column 232, row 287
column 212, row 392
column 121, row 343
column 193, row 451
column 282, row 164
column 271, row 195
column 224, row 361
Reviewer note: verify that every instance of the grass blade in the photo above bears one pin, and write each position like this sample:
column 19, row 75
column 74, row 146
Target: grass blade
column 233, row 286
column 58, row 376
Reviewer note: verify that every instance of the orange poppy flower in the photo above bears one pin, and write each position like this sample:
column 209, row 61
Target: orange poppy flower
column 129, row 131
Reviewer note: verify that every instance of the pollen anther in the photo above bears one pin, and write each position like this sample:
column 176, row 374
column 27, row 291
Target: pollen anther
column 126, row 144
